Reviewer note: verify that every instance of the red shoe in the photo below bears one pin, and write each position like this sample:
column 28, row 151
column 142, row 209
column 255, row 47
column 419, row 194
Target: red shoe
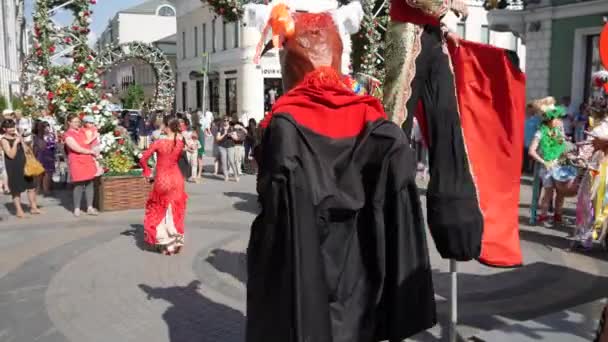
column 557, row 218
column 542, row 218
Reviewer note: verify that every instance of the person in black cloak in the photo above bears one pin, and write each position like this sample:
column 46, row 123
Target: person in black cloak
column 338, row 252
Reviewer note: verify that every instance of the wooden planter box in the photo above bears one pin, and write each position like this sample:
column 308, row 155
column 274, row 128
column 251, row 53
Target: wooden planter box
column 122, row 193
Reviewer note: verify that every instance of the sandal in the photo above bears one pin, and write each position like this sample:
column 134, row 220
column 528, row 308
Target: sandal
column 36, row 212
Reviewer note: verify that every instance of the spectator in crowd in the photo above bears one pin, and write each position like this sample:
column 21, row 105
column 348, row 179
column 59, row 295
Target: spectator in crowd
column 215, row 128
column 199, row 122
column 14, row 152
column 81, row 163
column 24, row 126
column 191, row 147
column 251, row 141
column 239, row 148
column 8, row 114
column 568, row 120
column 45, row 145
column 420, row 148
column 225, row 138
column 159, row 129
column 3, row 181
column 531, row 125
column 581, row 122
column 93, row 140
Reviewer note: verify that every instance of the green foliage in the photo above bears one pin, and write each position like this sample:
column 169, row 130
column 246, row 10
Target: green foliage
column 135, row 97
column 3, row 103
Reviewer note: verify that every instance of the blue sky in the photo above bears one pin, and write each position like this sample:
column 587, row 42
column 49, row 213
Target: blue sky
column 103, row 11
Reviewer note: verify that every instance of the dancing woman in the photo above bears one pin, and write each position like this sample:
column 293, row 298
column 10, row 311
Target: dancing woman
column 166, row 205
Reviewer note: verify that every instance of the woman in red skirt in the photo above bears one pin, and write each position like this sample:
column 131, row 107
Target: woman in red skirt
column 166, row 205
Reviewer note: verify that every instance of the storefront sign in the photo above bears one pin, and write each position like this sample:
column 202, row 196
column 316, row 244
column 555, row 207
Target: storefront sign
column 271, row 72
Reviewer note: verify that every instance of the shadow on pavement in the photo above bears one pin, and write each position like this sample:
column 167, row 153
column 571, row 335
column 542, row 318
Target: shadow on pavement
column 233, row 263
column 193, row 317
column 543, row 289
column 249, row 202
column 525, row 295
column 137, row 233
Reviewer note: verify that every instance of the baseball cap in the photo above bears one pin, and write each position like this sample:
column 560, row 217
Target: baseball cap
column 88, row 119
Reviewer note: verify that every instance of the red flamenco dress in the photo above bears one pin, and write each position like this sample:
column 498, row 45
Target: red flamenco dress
column 166, row 205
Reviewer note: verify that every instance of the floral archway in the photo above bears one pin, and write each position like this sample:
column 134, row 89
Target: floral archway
column 61, row 73
column 165, row 79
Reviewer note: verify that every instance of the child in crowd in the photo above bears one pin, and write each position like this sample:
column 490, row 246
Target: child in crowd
column 93, row 139
column 547, row 147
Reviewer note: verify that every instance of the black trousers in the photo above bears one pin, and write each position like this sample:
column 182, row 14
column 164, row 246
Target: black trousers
column 454, row 214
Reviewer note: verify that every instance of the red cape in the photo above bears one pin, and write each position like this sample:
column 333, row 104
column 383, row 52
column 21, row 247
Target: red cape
column 323, row 104
column 492, row 101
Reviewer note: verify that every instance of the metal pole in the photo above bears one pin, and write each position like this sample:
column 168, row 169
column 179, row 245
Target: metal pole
column 452, row 333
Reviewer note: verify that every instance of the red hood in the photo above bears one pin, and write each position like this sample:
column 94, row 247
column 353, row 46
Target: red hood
column 324, row 104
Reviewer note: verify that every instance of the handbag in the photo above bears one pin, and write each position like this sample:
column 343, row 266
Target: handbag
column 184, row 165
column 32, row 167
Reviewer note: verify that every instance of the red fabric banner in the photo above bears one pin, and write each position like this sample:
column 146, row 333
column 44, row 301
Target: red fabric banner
column 492, row 101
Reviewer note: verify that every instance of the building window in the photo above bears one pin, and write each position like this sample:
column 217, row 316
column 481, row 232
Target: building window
column 199, row 95
column 461, row 29
column 231, row 97
column 184, row 95
column 224, row 35
column 214, row 96
column 165, row 11
column 204, row 37
column 593, row 63
column 213, row 38
column 195, row 41
column 485, row 34
column 237, row 33
column 184, row 45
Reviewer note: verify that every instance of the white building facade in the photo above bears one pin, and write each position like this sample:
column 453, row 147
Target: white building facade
column 235, row 85
column 476, row 28
column 150, row 22
column 563, row 44
column 13, row 45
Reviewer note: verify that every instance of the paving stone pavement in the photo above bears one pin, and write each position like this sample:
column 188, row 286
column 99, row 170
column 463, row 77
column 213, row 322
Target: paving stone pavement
column 64, row 279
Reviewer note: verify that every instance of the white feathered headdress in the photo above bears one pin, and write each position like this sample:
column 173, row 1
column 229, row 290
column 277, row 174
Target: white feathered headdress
column 346, row 18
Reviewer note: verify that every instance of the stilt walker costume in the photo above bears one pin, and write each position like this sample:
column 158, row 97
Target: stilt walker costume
column 470, row 103
column 338, row 252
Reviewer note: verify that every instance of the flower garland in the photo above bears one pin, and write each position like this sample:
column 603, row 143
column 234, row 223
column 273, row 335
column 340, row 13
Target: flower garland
column 368, row 44
column 229, row 10
column 74, row 88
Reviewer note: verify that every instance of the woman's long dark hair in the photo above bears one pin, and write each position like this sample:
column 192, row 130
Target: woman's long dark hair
column 40, row 128
column 172, row 122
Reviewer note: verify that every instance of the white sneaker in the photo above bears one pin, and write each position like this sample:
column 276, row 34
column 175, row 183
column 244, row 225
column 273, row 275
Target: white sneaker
column 77, row 212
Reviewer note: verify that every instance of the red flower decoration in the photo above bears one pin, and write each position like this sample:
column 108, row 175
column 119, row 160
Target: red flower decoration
column 69, row 100
column 93, row 2
column 91, row 85
column 44, row 72
column 82, row 69
column 68, row 40
column 50, row 95
column 75, row 28
column 89, row 57
column 52, row 48
column 39, row 52
column 121, row 141
column 116, row 133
